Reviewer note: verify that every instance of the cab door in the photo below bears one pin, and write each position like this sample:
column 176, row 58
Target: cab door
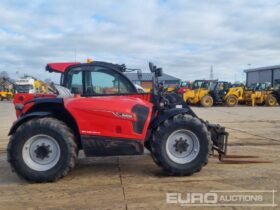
column 103, row 109
column 109, row 122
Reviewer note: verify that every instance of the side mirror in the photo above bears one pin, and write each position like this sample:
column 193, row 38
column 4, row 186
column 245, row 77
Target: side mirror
column 158, row 72
column 151, row 66
column 140, row 75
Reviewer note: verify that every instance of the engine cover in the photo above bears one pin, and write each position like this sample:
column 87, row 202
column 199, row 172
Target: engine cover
column 111, row 116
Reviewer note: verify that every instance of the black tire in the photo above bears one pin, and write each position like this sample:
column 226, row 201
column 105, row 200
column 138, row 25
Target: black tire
column 50, row 127
column 271, row 100
column 160, row 140
column 231, row 101
column 207, row 101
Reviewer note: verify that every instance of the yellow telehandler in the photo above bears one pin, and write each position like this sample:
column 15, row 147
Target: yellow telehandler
column 225, row 93
column 261, row 94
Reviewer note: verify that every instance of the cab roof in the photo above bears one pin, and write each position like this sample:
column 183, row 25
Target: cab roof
column 61, row 67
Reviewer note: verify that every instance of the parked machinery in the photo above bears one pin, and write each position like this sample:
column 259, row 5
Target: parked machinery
column 6, row 89
column 261, row 94
column 182, row 87
column 276, row 90
column 199, row 93
column 32, row 85
column 6, row 94
column 225, row 93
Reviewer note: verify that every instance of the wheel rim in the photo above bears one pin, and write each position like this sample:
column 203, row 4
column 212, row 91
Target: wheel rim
column 271, row 101
column 207, row 101
column 41, row 152
column 232, row 101
column 182, row 146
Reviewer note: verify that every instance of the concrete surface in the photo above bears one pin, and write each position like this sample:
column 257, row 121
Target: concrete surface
column 137, row 183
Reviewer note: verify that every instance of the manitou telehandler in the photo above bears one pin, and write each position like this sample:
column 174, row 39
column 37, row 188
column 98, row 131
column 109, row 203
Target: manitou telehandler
column 98, row 110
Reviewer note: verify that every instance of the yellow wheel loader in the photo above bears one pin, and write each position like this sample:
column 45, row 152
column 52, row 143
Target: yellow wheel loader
column 199, row 93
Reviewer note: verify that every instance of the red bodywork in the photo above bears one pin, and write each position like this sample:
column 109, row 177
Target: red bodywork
column 100, row 116
column 107, row 116
column 60, row 67
column 183, row 89
column 110, row 116
column 22, row 98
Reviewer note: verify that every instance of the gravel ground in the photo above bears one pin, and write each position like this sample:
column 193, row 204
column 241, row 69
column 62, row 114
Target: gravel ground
column 137, row 183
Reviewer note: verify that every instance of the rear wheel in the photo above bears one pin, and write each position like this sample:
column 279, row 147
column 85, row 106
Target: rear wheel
column 42, row 150
column 181, row 145
column 231, row 101
column 206, row 101
column 270, row 100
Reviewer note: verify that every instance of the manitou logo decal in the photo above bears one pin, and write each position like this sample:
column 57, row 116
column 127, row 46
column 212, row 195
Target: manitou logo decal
column 90, row 132
column 223, row 198
column 123, row 115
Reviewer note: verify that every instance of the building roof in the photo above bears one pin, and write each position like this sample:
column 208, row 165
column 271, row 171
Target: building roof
column 262, row 68
column 149, row 77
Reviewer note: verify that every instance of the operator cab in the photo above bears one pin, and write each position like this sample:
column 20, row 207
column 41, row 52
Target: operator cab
column 205, row 84
column 94, row 78
column 260, row 86
column 219, row 89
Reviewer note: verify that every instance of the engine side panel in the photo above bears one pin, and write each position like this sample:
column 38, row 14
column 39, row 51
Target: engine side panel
column 111, row 116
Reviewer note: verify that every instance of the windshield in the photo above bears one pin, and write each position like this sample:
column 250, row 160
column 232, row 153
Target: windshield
column 205, row 84
column 24, row 88
column 213, row 86
column 197, row 84
column 253, row 86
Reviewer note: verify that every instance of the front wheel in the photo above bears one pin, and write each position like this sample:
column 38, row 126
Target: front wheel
column 271, row 100
column 181, row 145
column 207, row 101
column 231, row 101
column 42, row 150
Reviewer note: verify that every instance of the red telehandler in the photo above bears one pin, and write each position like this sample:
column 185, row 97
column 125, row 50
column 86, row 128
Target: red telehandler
column 97, row 109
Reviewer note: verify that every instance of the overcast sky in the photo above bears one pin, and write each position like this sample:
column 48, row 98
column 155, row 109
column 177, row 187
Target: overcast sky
column 184, row 37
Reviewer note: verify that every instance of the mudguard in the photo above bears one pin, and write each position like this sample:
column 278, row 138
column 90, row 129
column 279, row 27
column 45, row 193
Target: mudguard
column 166, row 114
column 25, row 118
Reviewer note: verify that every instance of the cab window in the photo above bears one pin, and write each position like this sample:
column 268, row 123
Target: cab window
column 103, row 81
column 75, row 83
